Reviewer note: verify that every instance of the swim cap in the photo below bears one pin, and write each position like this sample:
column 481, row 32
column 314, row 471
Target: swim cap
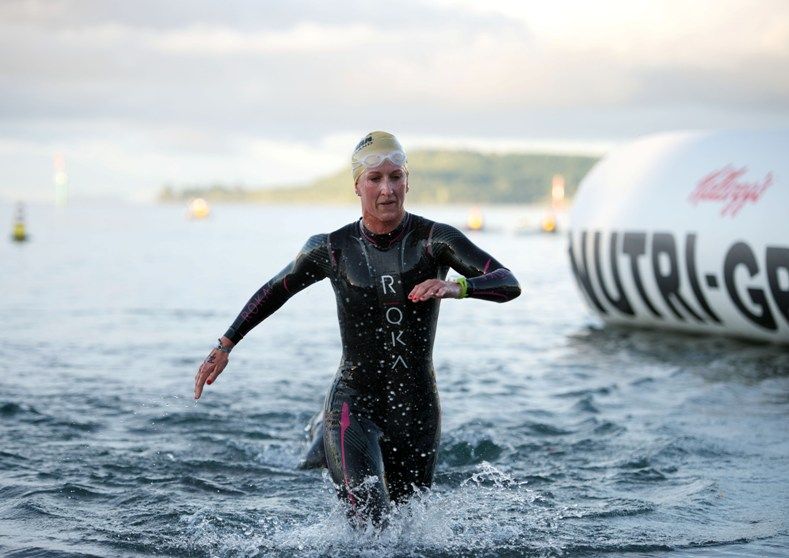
column 373, row 150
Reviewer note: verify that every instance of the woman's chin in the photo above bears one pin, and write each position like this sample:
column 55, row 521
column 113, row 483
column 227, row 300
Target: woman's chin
column 389, row 213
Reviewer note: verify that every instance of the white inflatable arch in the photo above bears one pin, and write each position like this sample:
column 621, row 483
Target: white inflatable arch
column 688, row 231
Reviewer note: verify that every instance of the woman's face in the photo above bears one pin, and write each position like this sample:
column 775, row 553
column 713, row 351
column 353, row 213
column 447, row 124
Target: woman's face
column 382, row 190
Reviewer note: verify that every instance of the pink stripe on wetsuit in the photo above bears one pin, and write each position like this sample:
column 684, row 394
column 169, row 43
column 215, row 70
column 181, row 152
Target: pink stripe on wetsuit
column 345, row 422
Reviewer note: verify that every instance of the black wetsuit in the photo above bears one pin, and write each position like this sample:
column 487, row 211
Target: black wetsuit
column 382, row 414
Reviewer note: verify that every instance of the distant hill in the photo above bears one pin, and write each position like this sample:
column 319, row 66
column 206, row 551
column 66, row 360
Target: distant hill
column 435, row 177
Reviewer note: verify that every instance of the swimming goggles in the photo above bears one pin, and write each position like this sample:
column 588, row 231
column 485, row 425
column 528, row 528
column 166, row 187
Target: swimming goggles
column 375, row 159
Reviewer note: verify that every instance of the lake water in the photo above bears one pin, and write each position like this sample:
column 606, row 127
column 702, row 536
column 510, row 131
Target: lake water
column 560, row 437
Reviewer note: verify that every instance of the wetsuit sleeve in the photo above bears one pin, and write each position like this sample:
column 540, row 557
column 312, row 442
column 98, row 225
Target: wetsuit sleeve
column 487, row 279
column 310, row 266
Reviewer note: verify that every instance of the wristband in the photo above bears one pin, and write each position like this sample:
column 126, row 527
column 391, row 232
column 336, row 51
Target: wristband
column 222, row 348
column 463, row 286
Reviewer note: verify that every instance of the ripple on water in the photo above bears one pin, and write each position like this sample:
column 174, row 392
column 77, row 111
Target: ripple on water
column 608, row 428
column 543, row 429
column 23, row 416
column 42, row 552
column 70, row 490
column 586, row 405
column 209, row 486
column 11, row 461
column 11, row 409
column 463, row 453
column 607, row 507
column 581, row 393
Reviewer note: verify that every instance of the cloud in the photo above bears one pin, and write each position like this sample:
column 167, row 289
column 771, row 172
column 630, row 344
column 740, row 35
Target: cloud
column 305, row 38
column 190, row 89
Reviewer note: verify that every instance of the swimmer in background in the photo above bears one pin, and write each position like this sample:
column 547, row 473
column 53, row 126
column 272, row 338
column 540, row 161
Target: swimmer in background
column 382, row 418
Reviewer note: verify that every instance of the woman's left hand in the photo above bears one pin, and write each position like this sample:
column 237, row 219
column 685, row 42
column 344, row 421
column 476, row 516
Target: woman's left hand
column 434, row 288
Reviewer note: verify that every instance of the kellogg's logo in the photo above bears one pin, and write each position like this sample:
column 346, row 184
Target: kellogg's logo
column 728, row 187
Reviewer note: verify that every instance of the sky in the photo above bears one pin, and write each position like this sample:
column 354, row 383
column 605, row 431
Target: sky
column 137, row 95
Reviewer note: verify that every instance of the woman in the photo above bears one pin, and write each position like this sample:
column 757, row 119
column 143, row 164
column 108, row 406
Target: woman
column 388, row 269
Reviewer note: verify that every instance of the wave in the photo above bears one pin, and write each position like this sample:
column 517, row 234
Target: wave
column 41, row 552
column 463, row 453
column 71, row 491
column 11, row 409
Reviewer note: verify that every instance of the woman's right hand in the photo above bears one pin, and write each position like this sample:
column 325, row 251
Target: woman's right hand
column 211, row 367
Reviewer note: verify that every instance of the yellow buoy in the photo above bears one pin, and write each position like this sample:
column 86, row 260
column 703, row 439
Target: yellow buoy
column 548, row 224
column 475, row 221
column 198, row 209
column 19, row 234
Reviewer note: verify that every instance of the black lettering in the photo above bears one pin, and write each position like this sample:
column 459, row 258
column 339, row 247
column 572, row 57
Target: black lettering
column 690, row 262
column 582, row 273
column 621, row 303
column 668, row 283
column 634, row 244
column 741, row 254
column 777, row 260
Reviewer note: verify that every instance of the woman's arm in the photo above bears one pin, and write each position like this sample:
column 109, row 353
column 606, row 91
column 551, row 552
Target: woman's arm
column 310, row 266
column 483, row 276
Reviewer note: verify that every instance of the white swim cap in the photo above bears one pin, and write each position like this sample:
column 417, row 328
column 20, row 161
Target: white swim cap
column 374, row 149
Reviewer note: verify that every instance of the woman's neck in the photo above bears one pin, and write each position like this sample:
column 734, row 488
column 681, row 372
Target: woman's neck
column 377, row 226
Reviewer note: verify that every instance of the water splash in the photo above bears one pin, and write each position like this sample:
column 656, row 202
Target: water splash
column 456, row 522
